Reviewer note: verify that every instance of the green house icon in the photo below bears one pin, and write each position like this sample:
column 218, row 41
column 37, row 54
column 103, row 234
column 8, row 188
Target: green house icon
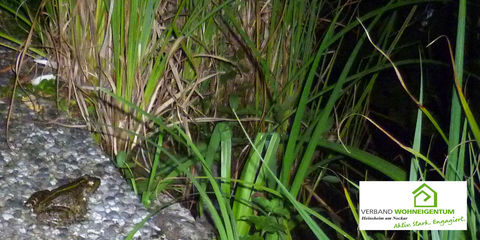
column 424, row 196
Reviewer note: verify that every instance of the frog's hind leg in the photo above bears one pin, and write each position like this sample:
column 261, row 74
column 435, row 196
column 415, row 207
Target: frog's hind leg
column 36, row 198
column 56, row 216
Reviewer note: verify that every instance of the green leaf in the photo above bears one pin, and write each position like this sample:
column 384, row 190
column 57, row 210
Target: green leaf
column 142, row 185
column 265, row 223
column 121, row 159
column 234, row 102
column 273, row 206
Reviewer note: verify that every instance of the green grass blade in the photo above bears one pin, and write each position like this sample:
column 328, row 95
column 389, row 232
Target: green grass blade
column 381, row 165
column 241, row 207
column 225, row 158
column 270, row 160
column 417, row 139
column 354, row 212
column 455, row 111
column 153, row 171
column 14, row 12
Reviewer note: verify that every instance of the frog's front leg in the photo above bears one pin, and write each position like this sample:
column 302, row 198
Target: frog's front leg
column 57, row 215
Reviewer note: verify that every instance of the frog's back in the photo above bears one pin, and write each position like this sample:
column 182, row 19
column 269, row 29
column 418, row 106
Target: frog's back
column 69, row 198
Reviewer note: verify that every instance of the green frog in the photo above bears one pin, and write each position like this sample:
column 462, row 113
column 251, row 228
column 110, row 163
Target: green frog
column 63, row 205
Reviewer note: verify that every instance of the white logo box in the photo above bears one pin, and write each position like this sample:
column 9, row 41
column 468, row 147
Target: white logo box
column 404, row 205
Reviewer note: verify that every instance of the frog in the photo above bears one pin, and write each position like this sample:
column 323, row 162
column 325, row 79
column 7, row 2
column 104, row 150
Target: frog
column 64, row 205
